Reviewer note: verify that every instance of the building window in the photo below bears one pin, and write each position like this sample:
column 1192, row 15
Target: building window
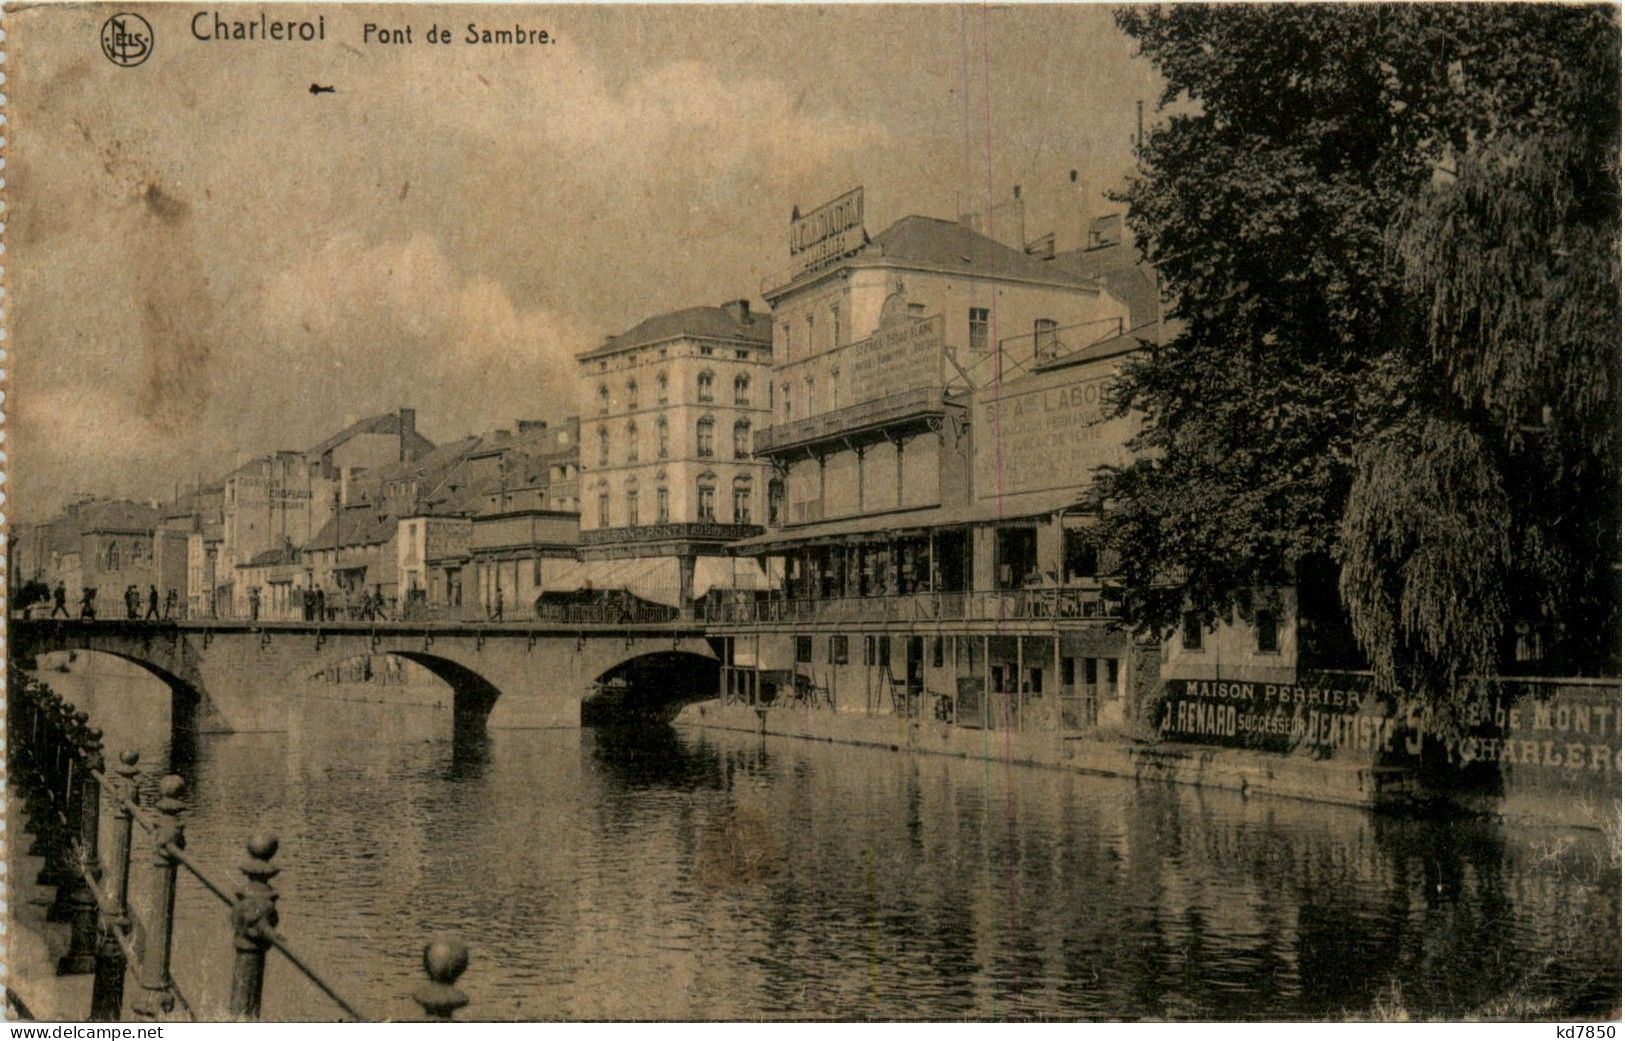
column 662, row 506
column 775, row 500
column 978, row 328
column 742, row 439
column 916, row 310
column 803, row 649
column 1269, row 632
column 835, row 323
column 788, row 410
column 741, row 390
column 603, row 399
column 742, row 355
column 705, row 437
column 837, row 650
column 632, row 394
column 1082, row 559
column 631, row 442
column 706, row 383
column 603, row 446
column 812, row 333
column 631, row 507
column 662, row 437
column 1044, row 338
column 741, row 500
column 705, row 352
column 1191, row 632
column 662, row 389
column 936, row 652
column 707, row 489
column 868, row 650
column 603, row 509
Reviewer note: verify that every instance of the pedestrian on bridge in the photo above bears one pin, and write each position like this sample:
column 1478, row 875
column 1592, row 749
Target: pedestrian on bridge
column 321, row 603
column 152, row 603
column 171, row 601
column 496, row 610
column 87, row 603
column 132, row 602
column 254, row 603
column 59, row 600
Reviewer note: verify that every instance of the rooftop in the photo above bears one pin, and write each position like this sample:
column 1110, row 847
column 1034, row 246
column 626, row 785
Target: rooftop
column 385, row 423
column 948, row 246
column 714, row 323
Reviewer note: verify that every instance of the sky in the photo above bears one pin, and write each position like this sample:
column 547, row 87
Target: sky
column 209, row 262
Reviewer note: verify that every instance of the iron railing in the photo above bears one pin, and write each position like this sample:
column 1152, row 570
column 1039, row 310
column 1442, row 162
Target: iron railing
column 56, row 763
column 1055, row 603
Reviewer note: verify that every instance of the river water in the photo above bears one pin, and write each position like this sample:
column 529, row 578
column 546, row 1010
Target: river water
column 702, row 874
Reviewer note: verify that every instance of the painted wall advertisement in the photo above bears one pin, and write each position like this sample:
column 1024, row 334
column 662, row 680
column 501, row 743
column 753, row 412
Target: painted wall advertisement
column 1046, row 432
column 1535, row 728
column 895, row 360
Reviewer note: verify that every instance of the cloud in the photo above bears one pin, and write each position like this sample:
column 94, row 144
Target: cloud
column 367, row 326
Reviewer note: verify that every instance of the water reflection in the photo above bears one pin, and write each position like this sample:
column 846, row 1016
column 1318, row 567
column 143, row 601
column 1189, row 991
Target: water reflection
column 669, row 874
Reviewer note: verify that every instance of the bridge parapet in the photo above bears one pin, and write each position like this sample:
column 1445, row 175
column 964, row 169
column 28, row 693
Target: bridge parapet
column 235, row 675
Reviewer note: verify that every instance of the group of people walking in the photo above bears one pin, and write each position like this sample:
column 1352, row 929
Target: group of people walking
column 132, row 603
column 314, row 604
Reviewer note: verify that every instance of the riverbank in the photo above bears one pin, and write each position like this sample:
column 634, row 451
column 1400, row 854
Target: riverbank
column 1290, row 775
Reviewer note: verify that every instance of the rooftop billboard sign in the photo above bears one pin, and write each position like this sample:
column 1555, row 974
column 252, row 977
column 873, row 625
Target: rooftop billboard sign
column 827, row 234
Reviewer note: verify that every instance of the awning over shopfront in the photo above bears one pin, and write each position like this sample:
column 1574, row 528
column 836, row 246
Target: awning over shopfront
column 882, row 524
column 738, row 573
column 906, row 523
column 657, row 579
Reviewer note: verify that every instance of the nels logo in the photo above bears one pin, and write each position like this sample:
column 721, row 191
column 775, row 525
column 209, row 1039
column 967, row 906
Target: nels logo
column 126, row 40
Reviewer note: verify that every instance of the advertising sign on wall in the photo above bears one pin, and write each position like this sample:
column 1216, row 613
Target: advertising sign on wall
column 1551, row 730
column 1046, row 432
column 897, row 359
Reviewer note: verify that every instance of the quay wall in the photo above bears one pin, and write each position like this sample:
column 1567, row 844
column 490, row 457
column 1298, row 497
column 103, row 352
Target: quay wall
column 1545, row 751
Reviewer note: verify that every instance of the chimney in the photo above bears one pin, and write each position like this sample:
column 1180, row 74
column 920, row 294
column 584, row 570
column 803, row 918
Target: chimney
column 738, row 310
column 409, row 427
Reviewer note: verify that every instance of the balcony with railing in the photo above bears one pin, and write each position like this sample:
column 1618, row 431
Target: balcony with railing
column 1049, row 345
column 1052, row 605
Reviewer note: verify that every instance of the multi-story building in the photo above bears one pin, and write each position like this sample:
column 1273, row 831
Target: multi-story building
column 509, row 529
column 106, row 545
column 939, row 413
column 270, row 503
column 668, row 477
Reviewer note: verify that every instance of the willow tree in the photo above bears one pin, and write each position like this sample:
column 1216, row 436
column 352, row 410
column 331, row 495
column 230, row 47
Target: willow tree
column 1390, row 238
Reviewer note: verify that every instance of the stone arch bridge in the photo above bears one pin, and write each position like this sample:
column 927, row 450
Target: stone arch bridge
column 242, row 676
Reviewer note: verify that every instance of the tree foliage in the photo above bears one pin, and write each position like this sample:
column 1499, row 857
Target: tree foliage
column 1390, row 239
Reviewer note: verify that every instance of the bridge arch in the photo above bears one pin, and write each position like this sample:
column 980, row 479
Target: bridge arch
column 190, row 708
column 472, row 694
column 651, row 687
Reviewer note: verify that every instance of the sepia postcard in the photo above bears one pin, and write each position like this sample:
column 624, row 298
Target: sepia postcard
column 839, row 513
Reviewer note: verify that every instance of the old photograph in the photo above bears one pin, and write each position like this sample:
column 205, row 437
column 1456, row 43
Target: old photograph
column 840, row 513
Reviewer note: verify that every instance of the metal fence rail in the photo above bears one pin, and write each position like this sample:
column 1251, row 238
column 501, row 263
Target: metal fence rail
column 56, row 763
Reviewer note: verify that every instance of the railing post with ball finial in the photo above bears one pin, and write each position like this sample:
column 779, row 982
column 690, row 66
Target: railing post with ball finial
column 157, row 996
column 444, row 960
column 253, row 919
column 107, row 993
column 83, row 906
